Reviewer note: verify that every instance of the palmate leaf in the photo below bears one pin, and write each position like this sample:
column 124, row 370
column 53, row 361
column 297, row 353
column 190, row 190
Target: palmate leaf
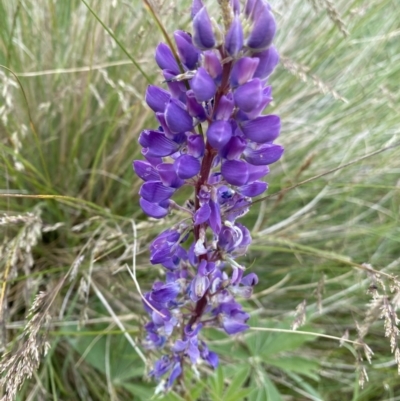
column 123, row 361
column 263, row 389
column 229, row 383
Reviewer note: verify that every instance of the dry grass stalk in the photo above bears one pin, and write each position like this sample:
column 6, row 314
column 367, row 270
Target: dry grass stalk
column 19, row 366
column 300, row 315
column 334, row 15
column 17, row 254
column 302, row 72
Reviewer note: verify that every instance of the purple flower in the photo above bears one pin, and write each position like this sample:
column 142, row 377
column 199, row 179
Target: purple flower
column 212, row 141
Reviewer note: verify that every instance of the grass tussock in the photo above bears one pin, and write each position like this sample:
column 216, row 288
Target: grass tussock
column 326, row 251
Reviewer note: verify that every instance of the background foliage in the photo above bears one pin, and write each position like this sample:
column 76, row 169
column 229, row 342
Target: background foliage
column 71, row 134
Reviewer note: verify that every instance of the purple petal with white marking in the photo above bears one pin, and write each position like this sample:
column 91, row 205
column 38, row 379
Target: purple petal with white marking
column 145, row 170
column 157, row 144
column 219, row 133
column 195, row 145
column 168, row 175
column 243, row 70
column 234, row 148
column 212, row 64
column 186, row 166
column 224, row 109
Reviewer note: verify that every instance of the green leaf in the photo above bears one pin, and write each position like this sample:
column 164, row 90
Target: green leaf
column 264, row 388
column 297, row 364
column 237, row 381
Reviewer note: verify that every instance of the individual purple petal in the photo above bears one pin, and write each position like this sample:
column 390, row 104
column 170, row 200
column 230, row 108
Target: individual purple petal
column 262, row 129
column 166, row 293
column 249, row 95
column 232, row 326
column 224, row 109
column 269, row 59
column 145, row 170
column 229, row 238
column 161, row 367
column 195, row 109
column 257, row 172
column 254, row 189
column 198, row 287
column 179, row 346
column 193, row 351
column 195, row 145
column 219, row 133
column 157, row 98
column 234, row 37
column 263, row 31
column 197, row 5
column 202, row 268
column 176, row 372
column 153, row 160
column 235, row 172
column 250, row 279
column 177, row 118
column 237, row 274
column 266, row 154
column 203, row 35
column 266, row 99
column 168, row 175
column 202, row 214
column 243, row 70
column 187, row 52
column 253, row 7
column 212, row 64
column 186, row 166
column 234, row 148
column 212, row 359
column 153, row 209
column 177, row 88
column 215, row 217
column 165, row 59
column 203, row 85
column 191, row 331
column 157, row 144
column 155, row 191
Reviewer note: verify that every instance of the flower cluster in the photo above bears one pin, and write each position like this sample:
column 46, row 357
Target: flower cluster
column 213, row 138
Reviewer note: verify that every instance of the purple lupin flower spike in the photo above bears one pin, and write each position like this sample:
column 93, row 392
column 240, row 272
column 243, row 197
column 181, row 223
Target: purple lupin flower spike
column 213, row 138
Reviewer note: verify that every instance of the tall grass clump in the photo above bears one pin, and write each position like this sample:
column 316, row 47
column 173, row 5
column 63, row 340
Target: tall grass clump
column 323, row 322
